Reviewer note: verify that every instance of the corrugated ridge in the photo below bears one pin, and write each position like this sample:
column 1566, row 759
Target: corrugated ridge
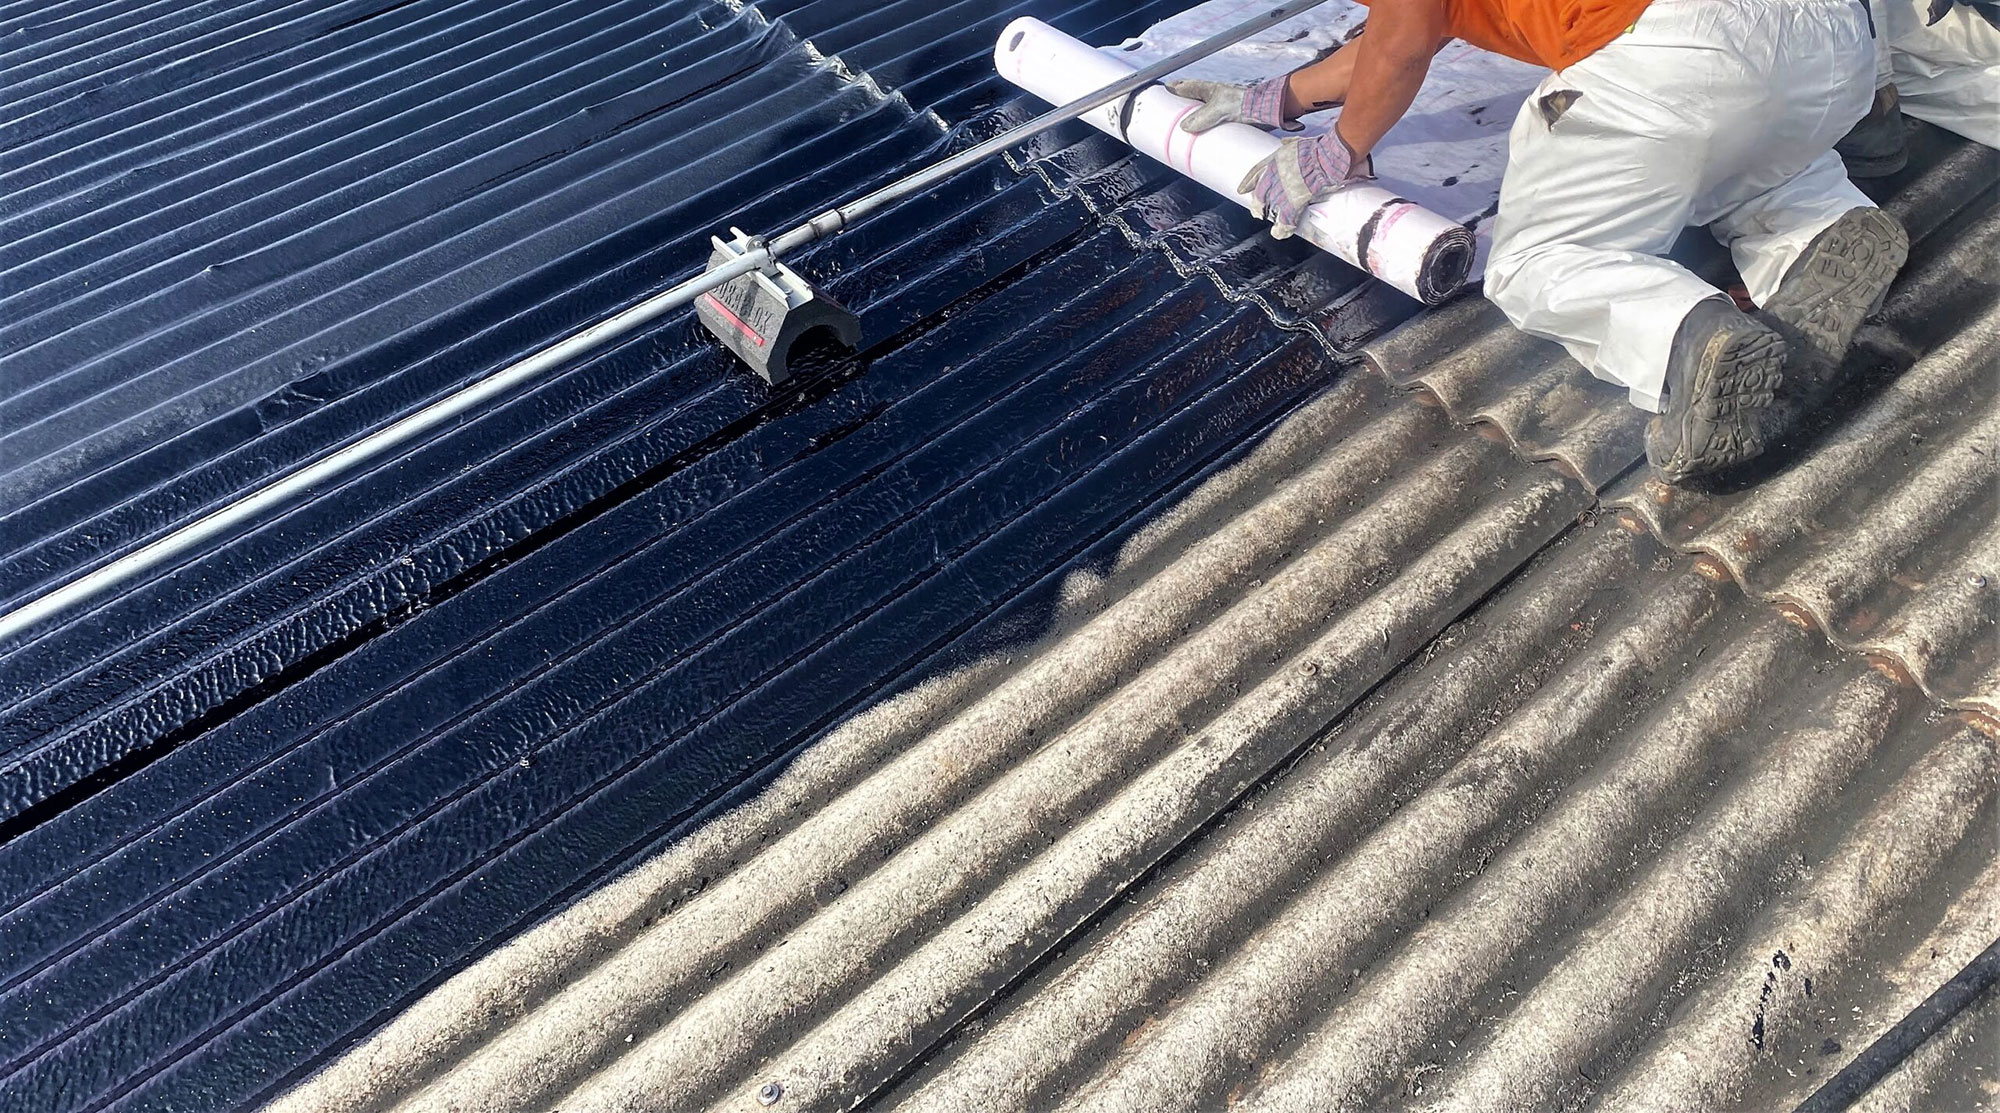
column 1475, row 895
column 1125, row 733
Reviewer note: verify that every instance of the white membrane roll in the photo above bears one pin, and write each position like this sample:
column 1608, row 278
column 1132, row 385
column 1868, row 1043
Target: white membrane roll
column 1397, row 240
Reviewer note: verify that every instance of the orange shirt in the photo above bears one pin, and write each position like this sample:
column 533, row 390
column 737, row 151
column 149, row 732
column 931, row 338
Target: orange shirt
column 1552, row 33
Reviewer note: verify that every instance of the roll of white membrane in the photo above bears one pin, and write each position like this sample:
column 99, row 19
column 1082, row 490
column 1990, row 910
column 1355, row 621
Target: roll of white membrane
column 1402, row 243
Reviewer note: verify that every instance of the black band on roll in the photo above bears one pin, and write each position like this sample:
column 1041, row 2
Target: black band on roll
column 1446, row 263
column 1366, row 236
column 1125, row 110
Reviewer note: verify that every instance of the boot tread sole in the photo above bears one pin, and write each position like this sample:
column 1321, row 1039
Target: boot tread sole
column 1736, row 377
column 1841, row 279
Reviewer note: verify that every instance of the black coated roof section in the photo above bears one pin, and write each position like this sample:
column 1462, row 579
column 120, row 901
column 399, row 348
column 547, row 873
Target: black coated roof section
column 255, row 805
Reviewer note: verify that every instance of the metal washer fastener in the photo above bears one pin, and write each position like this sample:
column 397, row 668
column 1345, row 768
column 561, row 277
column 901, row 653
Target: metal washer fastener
column 769, row 1093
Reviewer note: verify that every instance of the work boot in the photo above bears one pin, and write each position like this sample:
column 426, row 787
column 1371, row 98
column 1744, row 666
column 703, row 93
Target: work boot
column 1839, row 279
column 1879, row 145
column 1835, row 284
column 1724, row 368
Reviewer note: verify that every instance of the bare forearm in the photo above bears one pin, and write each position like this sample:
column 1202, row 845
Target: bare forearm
column 1385, row 84
column 1321, row 85
column 1325, row 83
column 1389, row 66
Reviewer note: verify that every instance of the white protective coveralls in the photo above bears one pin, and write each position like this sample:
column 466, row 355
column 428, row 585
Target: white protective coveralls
column 1706, row 111
column 1946, row 74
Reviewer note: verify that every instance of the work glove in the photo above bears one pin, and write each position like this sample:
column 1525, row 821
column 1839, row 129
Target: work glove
column 1298, row 173
column 1260, row 105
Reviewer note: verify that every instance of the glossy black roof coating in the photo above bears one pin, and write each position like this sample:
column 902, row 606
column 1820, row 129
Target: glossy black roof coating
column 254, row 806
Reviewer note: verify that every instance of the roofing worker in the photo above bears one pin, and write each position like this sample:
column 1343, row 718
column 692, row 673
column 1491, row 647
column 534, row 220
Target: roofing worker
column 1658, row 115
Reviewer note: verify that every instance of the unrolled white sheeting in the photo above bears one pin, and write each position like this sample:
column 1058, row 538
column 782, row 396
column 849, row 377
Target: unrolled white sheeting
column 1415, row 250
column 1449, row 150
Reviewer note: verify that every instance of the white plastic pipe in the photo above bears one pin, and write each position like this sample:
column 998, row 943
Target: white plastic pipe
column 1397, row 240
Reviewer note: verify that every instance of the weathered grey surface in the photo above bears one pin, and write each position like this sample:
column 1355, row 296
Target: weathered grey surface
column 1959, row 1067
column 1955, row 1070
column 932, row 850
column 1549, row 408
column 1878, row 521
column 1626, row 836
column 1547, row 405
column 1559, row 850
column 1589, row 811
column 1882, row 528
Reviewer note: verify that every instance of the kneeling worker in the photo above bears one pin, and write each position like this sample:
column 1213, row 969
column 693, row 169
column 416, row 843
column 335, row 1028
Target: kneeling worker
column 1659, row 115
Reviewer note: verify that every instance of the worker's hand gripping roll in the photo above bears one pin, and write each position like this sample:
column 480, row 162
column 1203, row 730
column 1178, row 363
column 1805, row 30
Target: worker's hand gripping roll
column 1298, row 173
column 1394, row 239
column 1261, row 105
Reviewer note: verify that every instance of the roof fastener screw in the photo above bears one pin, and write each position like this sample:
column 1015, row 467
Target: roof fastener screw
column 769, row 1093
column 1310, row 668
column 1977, row 580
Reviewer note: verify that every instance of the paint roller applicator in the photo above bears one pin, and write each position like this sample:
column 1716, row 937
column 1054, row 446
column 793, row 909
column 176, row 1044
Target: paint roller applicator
column 1395, row 239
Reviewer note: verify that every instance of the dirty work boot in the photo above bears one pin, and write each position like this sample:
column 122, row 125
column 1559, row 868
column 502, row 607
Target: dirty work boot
column 1839, row 279
column 1723, row 369
column 1835, row 284
column 1879, row 145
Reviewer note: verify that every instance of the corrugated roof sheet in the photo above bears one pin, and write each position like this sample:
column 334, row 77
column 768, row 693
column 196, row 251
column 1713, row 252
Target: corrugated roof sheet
column 260, row 806
column 1621, row 827
column 1624, row 835
column 1882, row 527
column 931, row 850
column 1876, row 519
column 260, row 802
column 1644, row 848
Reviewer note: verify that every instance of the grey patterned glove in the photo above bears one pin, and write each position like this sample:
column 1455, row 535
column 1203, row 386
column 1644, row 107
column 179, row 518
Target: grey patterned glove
column 1298, row 173
column 1260, row 105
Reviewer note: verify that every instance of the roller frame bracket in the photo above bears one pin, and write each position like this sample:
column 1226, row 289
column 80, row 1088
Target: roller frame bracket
column 761, row 314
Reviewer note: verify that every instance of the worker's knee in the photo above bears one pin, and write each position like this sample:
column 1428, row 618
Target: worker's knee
column 1505, row 284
